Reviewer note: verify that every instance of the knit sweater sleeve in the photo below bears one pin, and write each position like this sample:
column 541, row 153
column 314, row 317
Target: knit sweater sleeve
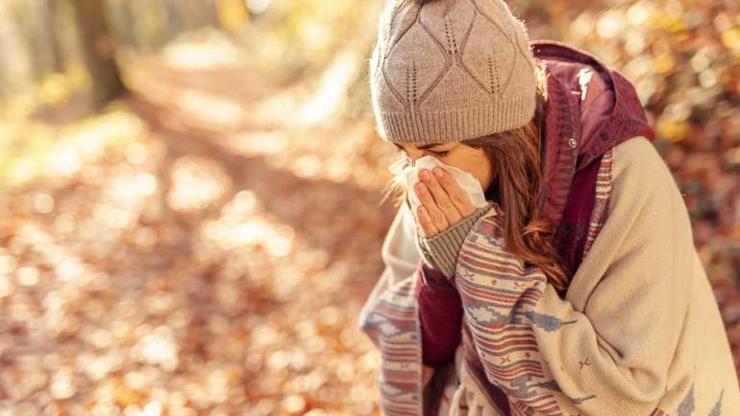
column 614, row 350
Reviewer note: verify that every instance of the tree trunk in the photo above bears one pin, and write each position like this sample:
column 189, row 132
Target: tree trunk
column 98, row 50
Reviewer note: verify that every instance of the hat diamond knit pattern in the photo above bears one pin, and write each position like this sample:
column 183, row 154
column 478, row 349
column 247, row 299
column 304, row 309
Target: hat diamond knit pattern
column 450, row 70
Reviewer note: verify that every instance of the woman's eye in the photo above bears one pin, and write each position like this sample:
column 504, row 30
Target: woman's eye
column 441, row 154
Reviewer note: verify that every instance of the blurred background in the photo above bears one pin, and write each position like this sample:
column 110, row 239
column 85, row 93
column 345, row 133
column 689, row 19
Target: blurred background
column 190, row 190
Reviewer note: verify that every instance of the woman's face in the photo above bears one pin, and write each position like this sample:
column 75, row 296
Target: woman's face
column 470, row 159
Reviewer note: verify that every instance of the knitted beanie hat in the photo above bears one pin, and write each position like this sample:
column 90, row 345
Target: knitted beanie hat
column 450, row 70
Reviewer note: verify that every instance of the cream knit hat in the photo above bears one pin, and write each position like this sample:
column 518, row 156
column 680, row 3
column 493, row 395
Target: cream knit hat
column 450, row 70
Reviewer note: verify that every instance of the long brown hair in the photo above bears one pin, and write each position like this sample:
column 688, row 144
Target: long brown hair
column 517, row 177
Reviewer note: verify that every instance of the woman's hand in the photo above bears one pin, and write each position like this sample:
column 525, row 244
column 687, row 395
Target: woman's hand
column 443, row 203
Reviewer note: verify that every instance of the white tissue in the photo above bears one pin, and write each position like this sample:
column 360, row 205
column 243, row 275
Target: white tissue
column 409, row 175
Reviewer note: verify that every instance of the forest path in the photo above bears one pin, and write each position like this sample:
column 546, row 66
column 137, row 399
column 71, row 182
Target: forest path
column 208, row 263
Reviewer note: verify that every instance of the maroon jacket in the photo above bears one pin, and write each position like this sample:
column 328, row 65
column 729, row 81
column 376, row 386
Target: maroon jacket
column 576, row 133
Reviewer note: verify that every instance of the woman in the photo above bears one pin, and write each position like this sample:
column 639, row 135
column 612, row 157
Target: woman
column 577, row 289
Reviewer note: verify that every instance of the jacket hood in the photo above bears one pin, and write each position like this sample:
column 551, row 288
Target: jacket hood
column 590, row 108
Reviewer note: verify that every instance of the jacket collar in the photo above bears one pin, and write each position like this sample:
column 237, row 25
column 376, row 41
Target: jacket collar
column 578, row 131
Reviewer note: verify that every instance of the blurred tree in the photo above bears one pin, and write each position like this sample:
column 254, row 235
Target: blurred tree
column 98, row 50
column 16, row 56
column 55, row 55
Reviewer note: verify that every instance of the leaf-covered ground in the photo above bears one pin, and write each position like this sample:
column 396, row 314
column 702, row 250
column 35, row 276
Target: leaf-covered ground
column 192, row 266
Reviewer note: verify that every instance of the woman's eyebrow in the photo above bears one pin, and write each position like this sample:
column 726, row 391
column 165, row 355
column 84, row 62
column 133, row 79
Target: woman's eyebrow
column 422, row 147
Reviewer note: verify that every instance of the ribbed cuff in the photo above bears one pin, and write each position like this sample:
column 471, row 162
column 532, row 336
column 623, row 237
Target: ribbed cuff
column 441, row 250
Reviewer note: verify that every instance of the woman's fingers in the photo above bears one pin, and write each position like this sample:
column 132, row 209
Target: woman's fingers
column 459, row 199
column 436, row 216
column 441, row 199
column 426, row 222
